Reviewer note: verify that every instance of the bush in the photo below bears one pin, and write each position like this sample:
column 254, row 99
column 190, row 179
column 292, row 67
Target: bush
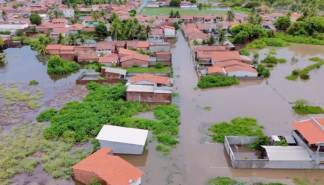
column 302, row 39
column 93, row 86
column 252, row 4
column 264, row 42
column 273, row 60
column 33, row 82
column 47, row 115
column 142, row 37
column 263, row 71
column 57, row 65
column 19, row 32
column 35, row 18
column 270, row 65
column 209, row 81
column 308, row 110
column 159, row 65
column 292, row 77
column 5, row 32
column 162, row 148
column 304, row 76
column 21, row 38
column 245, row 52
column 239, row 127
column 176, row 26
column 295, row 72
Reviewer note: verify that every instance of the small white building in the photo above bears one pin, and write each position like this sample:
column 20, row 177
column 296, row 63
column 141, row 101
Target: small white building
column 169, row 31
column 123, row 140
column 68, row 12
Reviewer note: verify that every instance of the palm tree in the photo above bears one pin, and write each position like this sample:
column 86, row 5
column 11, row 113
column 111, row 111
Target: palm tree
column 140, row 29
column 42, row 44
column 103, row 13
column 4, row 15
column 177, row 14
column 230, row 17
column 258, row 19
column 115, row 29
column 72, row 39
column 60, row 39
column 95, row 15
column 131, row 29
column 83, row 39
column 222, row 36
column 171, row 14
column 148, row 30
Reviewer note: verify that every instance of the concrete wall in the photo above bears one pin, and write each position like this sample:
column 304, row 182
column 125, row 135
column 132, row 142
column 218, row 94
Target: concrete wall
column 160, row 48
column 242, row 73
column 169, row 31
column 85, row 177
column 157, row 74
column 149, row 97
column 122, row 148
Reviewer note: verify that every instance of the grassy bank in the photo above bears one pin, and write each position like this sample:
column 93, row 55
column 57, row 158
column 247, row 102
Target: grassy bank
column 299, row 39
column 182, row 11
column 238, row 127
column 304, row 73
column 210, row 81
column 308, row 110
column 229, row 181
column 265, row 42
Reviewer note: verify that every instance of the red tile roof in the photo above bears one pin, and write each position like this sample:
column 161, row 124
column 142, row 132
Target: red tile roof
column 105, row 46
column 108, row 58
column 230, row 63
column 211, row 48
column 163, row 55
column 60, row 30
column 310, row 130
column 123, row 51
column 186, row 16
column 203, row 26
column 157, row 32
column 152, row 78
column 222, row 56
column 239, row 68
column 88, row 56
column 215, row 69
column 67, row 48
column 112, row 169
column 135, row 56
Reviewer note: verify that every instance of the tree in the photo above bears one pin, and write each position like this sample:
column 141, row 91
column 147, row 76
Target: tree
column 200, row 6
column 175, row 3
column 211, row 40
column 300, row 103
column 101, row 29
column 115, row 29
column 132, row 12
column 103, row 12
column 195, row 42
column 60, row 39
column 4, row 15
column 177, row 14
column 41, row 45
column 230, row 17
column 140, row 29
column 73, row 21
column 283, row 23
column 159, row 65
column 256, row 56
column 222, row 36
column 131, row 29
column 114, row 16
column 1, row 42
column 176, row 25
column 171, row 14
column 72, row 39
column 95, row 15
column 19, row 32
column 35, row 19
column 148, row 30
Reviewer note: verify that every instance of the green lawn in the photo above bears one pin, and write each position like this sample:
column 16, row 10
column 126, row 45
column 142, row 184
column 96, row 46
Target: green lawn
column 147, row 70
column 182, row 11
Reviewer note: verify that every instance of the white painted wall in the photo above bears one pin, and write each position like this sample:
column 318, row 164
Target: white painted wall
column 242, row 74
column 13, row 26
column 68, row 13
column 103, row 51
column 168, row 31
column 137, row 182
column 122, row 148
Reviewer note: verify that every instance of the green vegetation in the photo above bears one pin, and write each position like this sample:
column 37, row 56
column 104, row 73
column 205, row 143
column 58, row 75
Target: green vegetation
column 245, row 52
column 229, row 181
column 304, row 73
column 208, row 108
column 80, row 121
column 282, row 143
column 175, row 95
column 264, row 42
column 35, row 18
column 159, row 65
column 95, row 66
column 95, row 182
column 24, row 148
column 33, row 82
column 262, row 141
column 57, row 65
column 15, row 96
column 147, row 70
column 248, row 32
column 209, row 81
column 263, row 71
column 283, row 23
column 301, row 39
column 47, row 115
column 306, row 28
column 238, row 127
column 19, row 38
column 163, row 148
column 5, row 32
column 273, row 60
column 302, row 107
column 182, row 11
column 272, row 52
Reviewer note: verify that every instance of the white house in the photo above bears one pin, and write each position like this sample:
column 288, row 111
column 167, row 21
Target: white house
column 123, row 140
column 13, row 27
column 168, row 30
column 67, row 12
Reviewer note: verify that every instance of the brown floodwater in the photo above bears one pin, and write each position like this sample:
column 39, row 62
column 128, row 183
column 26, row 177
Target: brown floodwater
column 196, row 157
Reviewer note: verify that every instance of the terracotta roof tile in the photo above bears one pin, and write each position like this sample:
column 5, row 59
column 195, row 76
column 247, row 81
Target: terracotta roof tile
column 231, row 63
column 105, row 46
column 123, row 51
column 67, row 48
column 88, row 56
column 152, row 78
column 211, row 48
column 112, row 169
column 53, row 47
column 163, row 55
column 215, row 69
column 135, row 56
column 239, row 68
column 310, row 130
column 157, row 32
column 108, row 58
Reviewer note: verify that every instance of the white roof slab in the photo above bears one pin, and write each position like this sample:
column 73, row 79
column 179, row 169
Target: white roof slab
column 123, row 135
column 140, row 88
column 287, row 153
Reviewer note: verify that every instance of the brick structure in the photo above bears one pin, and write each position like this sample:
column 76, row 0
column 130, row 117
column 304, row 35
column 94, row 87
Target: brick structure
column 149, row 97
column 136, row 59
column 111, row 170
column 113, row 73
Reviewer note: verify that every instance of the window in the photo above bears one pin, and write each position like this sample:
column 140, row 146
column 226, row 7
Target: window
column 321, row 162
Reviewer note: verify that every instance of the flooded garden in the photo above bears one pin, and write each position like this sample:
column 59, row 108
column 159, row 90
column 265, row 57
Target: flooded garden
column 197, row 157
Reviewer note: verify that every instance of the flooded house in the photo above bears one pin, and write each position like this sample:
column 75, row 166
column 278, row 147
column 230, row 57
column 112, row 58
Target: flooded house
column 304, row 150
column 110, row 169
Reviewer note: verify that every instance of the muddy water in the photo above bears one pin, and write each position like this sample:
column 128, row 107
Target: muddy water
column 268, row 102
column 23, row 66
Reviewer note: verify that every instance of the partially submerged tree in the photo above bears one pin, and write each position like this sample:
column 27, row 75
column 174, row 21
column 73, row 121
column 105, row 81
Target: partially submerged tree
column 300, row 103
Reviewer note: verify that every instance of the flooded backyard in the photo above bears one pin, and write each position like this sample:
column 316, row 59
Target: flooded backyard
column 196, row 157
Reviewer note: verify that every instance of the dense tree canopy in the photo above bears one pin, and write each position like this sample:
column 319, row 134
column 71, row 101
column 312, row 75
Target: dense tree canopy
column 35, row 18
column 101, row 29
column 283, row 23
column 313, row 26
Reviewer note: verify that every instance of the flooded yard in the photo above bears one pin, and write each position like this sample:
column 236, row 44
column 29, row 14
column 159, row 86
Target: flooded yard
column 196, row 158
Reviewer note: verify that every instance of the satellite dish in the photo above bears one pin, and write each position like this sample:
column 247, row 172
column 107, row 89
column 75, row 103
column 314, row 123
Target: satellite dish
column 130, row 181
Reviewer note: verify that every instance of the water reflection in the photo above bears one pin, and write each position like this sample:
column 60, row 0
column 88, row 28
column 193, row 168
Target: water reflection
column 24, row 64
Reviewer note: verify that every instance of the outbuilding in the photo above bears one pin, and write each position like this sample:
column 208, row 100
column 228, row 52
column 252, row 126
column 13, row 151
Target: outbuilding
column 122, row 140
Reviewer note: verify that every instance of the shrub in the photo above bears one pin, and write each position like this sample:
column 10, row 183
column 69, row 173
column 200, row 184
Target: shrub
column 159, row 65
column 57, row 65
column 162, row 148
column 263, row 71
column 208, row 108
column 295, row 72
column 304, row 76
column 302, row 39
column 93, row 86
column 282, row 143
column 273, row 60
column 5, row 32
column 270, row 65
column 239, row 127
column 33, row 82
column 209, row 81
column 292, row 77
column 245, row 52
column 47, row 115
column 257, row 44
column 308, row 110
column 264, row 42
column 19, row 32
column 252, row 4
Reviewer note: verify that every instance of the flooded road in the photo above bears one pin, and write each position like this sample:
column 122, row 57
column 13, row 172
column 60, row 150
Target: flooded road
column 196, row 158
column 254, row 98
